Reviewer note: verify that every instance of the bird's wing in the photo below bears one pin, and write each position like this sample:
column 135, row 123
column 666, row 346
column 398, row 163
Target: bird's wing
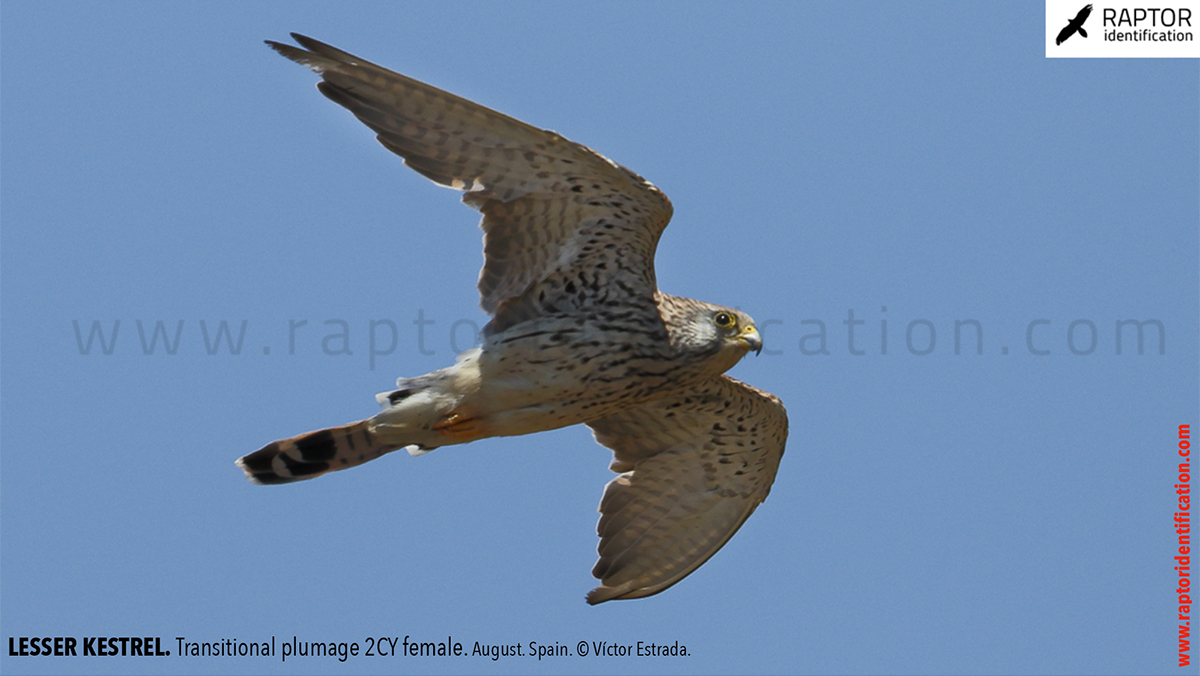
column 1082, row 15
column 550, row 206
column 694, row 467
column 1065, row 33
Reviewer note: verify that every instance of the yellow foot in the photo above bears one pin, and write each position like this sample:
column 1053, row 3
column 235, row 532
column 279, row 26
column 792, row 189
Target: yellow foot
column 459, row 427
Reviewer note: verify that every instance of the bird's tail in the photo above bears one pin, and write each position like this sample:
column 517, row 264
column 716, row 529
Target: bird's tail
column 313, row 454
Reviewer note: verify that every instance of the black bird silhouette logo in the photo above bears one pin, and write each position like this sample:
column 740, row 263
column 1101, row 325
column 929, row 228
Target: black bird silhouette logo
column 1075, row 24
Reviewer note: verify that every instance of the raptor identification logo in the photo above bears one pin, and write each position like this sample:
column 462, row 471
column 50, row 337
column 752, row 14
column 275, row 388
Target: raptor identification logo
column 1140, row 29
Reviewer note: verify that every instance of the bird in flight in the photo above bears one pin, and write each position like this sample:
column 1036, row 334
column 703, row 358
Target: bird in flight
column 1074, row 25
column 579, row 333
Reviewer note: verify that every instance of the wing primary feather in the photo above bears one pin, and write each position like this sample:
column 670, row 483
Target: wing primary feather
column 696, row 477
column 569, row 233
column 566, row 191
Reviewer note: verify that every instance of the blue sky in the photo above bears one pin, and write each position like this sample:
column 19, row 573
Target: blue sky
column 936, row 511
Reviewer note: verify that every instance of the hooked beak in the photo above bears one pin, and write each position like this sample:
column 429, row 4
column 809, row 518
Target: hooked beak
column 751, row 339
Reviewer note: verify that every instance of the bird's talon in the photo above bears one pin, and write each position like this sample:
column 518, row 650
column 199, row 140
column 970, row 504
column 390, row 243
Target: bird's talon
column 457, row 426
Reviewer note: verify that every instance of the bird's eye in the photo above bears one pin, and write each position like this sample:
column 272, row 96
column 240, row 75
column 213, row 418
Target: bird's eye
column 724, row 320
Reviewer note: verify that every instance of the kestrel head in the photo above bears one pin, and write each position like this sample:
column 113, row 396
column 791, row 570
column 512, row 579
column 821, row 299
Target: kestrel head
column 736, row 331
column 721, row 335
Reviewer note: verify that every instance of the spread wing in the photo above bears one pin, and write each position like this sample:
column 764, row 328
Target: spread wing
column 1073, row 25
column 1065, row 33
column 694, row 467
column 551, row 207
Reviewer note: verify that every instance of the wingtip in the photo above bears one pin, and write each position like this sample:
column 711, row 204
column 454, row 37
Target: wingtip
column 301, row 39
column 316, row 46
column 605, row 593
column 309, row 59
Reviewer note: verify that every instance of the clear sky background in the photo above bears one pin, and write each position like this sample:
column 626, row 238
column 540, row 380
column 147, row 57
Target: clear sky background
column 948, row 512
